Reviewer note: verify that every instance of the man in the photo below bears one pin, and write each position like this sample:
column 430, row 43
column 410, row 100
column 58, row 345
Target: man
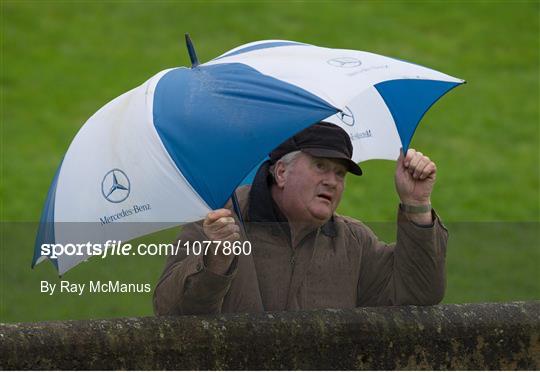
column 304, row 256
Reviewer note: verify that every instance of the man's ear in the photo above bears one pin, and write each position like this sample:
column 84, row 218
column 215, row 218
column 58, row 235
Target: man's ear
column 279, row 174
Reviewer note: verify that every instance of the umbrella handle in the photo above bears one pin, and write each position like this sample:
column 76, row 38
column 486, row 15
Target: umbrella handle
column 236, row 207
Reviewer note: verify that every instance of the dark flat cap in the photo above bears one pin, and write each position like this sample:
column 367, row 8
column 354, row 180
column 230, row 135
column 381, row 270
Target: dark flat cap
column 323, row 140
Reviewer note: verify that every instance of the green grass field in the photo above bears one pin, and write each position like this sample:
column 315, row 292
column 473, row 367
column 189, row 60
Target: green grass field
column 62, row 61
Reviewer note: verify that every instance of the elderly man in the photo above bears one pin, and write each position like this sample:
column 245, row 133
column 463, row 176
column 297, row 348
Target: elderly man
column 304, row 255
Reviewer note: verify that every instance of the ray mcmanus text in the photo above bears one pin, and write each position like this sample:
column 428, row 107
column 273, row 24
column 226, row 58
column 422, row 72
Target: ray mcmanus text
column 93, row 286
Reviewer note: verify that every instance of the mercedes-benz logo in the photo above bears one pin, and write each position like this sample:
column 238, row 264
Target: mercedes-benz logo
column 344, row 62
column 346, row 116
column 115, row 186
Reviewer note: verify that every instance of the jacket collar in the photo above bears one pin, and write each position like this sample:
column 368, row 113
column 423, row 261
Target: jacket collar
column 263, row 208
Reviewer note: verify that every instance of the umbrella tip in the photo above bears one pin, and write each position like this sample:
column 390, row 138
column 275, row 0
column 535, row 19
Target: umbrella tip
column 191, row 51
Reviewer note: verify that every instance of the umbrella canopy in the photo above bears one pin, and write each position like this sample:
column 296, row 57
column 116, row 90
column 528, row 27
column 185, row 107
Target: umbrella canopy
column 176, row 147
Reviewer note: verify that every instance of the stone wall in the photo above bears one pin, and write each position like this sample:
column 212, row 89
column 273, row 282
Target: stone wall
column 470, row 336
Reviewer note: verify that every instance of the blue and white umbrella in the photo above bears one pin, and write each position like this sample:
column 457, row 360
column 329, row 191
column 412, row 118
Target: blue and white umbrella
column 177, row 146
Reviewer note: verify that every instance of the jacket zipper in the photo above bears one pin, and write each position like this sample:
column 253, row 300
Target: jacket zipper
column 293, row 250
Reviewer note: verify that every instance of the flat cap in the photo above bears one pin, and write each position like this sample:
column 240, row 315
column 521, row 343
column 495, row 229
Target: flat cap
column 324, row 140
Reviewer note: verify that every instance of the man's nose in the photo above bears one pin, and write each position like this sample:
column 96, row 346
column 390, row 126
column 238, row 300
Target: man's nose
column 330, row 179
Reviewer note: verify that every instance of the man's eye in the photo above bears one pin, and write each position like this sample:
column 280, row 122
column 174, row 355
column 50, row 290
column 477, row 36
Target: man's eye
column 320, row 165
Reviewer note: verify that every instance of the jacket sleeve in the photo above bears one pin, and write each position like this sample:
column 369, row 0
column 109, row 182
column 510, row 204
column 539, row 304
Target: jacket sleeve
column 409, row 272
column 186, row 286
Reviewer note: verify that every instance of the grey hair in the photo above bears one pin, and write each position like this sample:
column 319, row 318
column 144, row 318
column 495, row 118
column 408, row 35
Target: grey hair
column 287, row 160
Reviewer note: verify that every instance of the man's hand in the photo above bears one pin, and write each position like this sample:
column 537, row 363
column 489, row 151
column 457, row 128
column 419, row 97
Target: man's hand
column 415, row 177
column 220, row 225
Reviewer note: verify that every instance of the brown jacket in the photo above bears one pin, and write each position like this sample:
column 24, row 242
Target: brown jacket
column 340, row 265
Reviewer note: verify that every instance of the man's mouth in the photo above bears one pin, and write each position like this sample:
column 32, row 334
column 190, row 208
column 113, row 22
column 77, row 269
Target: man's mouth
column 325, row 196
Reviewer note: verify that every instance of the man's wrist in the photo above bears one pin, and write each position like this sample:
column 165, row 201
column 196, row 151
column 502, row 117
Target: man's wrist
column 420, row 214
column 218, row 264
column 415, row 208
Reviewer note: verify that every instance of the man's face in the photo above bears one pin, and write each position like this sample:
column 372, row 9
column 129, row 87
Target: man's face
column 312, row 188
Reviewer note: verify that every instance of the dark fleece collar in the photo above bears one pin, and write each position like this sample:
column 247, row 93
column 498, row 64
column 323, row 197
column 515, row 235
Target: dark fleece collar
column 262, row 208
